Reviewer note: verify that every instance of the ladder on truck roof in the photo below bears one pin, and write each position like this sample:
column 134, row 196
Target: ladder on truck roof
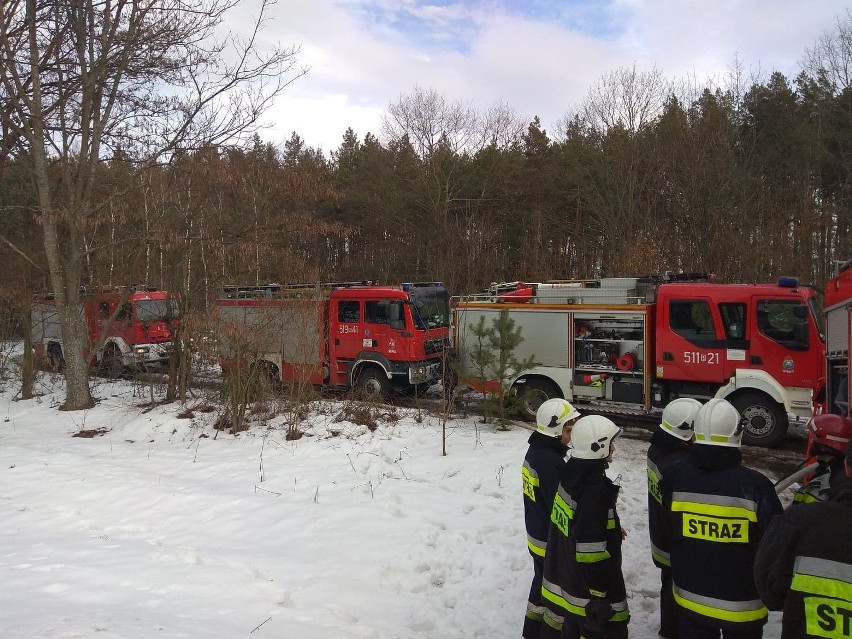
column 284, row 291
column 89, row 291
column 608, row 290
column 291, row 291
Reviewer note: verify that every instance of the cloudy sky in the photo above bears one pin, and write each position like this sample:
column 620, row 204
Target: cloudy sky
column 538, row 56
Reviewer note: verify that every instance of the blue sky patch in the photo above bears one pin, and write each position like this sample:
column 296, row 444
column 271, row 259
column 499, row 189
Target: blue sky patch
column 442, row 25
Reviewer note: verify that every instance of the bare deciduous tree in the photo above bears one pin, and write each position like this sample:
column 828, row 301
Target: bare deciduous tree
column 430, row 121
column 831, row 56
column 627, row 98
column 149, row 79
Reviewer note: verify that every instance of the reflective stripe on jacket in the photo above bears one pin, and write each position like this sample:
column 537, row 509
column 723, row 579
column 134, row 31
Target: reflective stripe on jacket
column 804, row 566
column 718, row 511
column 583, row 557
column 540, row 472
column 819, row 487
column 664, row 451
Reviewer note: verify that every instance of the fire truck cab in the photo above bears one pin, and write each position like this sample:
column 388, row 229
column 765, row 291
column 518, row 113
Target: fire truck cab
column 631, row 345
column 340, row 334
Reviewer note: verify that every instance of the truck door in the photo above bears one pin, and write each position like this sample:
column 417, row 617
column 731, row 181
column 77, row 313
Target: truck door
column 345, row 337
column 691, row 344
column 98, row 312
column 782, row 341
column 384, row 322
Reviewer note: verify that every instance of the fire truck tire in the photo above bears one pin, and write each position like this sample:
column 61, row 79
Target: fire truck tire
column 373, row 384
column 535, row 392
column 266, row 374
column 111, row 365
column 766, row 420
column 55, row 357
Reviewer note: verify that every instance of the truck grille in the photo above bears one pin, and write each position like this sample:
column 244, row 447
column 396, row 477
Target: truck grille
column 437, row 345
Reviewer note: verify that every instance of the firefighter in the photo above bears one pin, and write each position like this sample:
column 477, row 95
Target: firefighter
column 804, row 565
column 583, row 587
column 827, row 442
column 718, row 510
column 669, row 444
column 540, row 473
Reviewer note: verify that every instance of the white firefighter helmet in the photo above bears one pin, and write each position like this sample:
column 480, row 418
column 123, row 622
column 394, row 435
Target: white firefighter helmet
column 553, row 414
column 718, row 424
column 591, row 437
column 679, row 416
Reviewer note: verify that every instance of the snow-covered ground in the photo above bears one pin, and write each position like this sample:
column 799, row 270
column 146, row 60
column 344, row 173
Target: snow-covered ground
column 162, row 527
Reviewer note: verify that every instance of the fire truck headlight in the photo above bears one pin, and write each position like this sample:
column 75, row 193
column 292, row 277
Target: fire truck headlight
column 141, row 350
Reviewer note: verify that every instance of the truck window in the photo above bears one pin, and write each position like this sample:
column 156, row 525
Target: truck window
column 733, row 318
column 125, row 313
column 157, row 310
column 785, row 321
column 103, row 309
column 430, row 309
column 349, row 311
column 384, row 312
column 691, row 318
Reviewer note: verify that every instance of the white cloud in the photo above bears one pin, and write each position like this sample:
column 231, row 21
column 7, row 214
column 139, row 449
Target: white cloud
column 359, row 67
column 320, row 120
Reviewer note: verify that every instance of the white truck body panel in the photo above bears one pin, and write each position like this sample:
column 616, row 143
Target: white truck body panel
column 837, row 330
column 545, row 331
column 285, row 332
column 45, row 322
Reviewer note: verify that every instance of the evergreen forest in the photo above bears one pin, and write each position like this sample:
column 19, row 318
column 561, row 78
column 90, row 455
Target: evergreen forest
column 748, row 179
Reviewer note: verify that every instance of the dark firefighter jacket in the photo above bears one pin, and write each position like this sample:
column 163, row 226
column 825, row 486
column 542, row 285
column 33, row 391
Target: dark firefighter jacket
column 665, row 450
column 584, row 544
column 543, row 464
column 804, row 566
column 718, row 511
column 828, row 475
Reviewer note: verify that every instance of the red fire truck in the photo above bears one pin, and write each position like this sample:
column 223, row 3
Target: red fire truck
column 128, row 327
column 829, row 432
column 339, row 334
column 630, row 345
column 838, row 308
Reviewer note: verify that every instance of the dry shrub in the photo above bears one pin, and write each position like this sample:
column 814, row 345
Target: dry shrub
column 90, row 433
column 359, row 413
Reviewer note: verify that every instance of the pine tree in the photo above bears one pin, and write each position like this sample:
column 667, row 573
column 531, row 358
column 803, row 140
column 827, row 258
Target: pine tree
column 495, row 365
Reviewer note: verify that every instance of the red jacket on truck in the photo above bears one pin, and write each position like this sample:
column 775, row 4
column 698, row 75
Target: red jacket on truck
column 339, row 334
column 631, row 345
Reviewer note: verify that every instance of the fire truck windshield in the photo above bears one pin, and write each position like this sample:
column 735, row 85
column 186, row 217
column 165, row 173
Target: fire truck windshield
column 157, row 310
column 431, row 309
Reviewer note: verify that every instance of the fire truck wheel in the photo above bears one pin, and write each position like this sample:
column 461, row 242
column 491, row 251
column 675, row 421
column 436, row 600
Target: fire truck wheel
column 111, row 365
column 55, row 357
column 534, row 393
column 766, row 421
column 373, row 384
